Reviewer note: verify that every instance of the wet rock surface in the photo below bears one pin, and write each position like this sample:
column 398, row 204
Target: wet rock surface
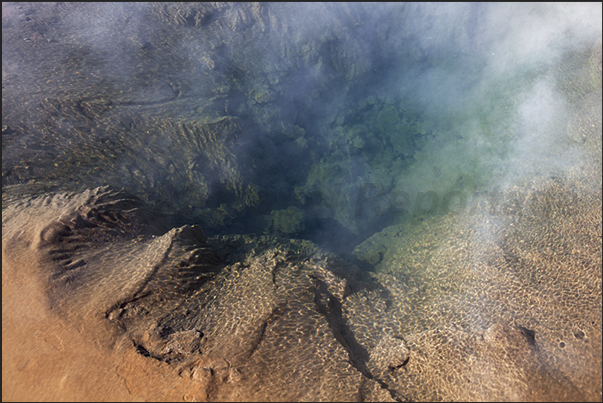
column 171, row 299
column 275, row 316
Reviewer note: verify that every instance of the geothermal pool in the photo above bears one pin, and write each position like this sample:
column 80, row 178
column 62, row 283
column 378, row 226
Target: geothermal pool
column 301, row 201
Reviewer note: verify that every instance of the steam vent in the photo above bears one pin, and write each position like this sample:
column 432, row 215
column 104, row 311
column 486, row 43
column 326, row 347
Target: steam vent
column 301, row 202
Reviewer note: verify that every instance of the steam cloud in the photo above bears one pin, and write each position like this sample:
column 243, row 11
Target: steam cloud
column 479, row 82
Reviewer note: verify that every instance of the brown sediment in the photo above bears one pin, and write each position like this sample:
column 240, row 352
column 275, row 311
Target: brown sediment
column 159, row 316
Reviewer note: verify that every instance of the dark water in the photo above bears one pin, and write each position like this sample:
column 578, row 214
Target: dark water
column 302, row 128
